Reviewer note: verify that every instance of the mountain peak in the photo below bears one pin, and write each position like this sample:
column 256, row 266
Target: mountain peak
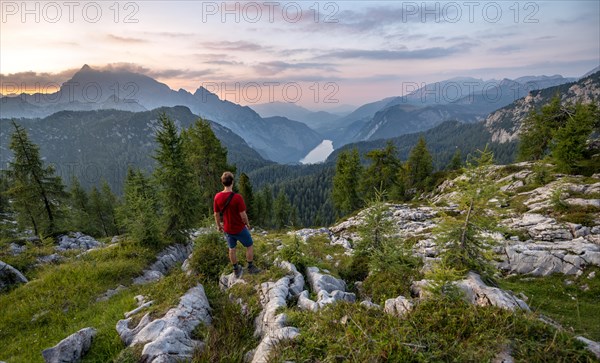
column 85, row 68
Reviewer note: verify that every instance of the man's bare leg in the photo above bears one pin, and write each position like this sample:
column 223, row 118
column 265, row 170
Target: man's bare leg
column 233, row 256
column 250, row 254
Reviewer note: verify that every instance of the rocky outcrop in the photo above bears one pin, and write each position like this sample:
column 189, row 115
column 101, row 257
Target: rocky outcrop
column 271, row 326
column 546, row 258
column 554, row 247
column 296, row 280
column 541, row 197
column 306, row 233
column 10, row 276
column 169, row 339
column 227, row 281
column 76, row 240
column 329, row 289
column 478, row 293
column 399, row 306
column 165, row 261
column 16, row 249
column 72, row 348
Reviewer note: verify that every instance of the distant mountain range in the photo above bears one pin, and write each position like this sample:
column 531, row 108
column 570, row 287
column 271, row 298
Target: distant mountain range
column 460, row 99
column 102, row 144
column 499, row 129
column 316, row 120
column 90, row 89
column 280, row 132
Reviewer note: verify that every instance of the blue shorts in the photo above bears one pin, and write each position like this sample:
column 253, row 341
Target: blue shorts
column 244, row 237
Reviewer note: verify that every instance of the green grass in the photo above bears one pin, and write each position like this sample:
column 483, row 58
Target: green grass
column 231, row 333
column 575, row 309
column 437, row 330
column 61, row 300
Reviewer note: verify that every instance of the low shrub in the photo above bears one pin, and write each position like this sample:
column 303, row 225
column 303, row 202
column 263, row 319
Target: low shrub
column 210, row 255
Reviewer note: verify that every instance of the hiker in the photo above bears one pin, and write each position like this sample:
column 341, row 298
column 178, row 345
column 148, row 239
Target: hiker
column 230, row 209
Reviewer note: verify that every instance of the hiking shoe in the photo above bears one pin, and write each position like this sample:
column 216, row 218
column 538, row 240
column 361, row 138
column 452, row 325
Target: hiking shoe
column 237, row 270
column 253, row 270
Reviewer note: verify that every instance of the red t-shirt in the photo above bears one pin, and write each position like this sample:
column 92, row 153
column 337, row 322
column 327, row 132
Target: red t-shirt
column 232, row 221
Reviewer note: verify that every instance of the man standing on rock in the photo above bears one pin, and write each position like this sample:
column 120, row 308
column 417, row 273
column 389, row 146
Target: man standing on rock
column 230, row 209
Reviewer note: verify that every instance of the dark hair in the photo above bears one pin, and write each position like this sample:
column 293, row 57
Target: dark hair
column 227, row 178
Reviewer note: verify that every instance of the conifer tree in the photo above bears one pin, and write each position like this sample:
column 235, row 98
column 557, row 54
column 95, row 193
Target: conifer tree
column 109, row 204
column 178, row 191
column 268, row 202
column 568, row 145
column 536, row 130
column 419, row 166
column 466, row 246
column 36, row 192
column 99, row 219
column 281, row 210
column 259, row 209
column 456, row 161
column 80, row 207
column 345, row 191
column 382, row 173
column 245, row 188
column 139, row 211
column 208, row 160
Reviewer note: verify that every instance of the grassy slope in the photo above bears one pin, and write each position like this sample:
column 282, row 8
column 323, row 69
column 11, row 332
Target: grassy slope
column 564, row 299
column 61, row 299
column 64, row 299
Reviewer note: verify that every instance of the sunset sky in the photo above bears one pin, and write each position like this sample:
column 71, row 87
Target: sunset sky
column 355, row 52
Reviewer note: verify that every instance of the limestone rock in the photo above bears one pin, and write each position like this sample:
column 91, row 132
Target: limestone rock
column 305, row 303
column 72, row 348
column 15, row 249
column 227, row 281
column 478, row 293
column 261, row 353
column 168, row 339
column 76, row 240
column 370, row 304
column 270, row 326
column 297, row 282
column 306, row 233
column 591, row 345
column 10, row 276
column 398, row 306
column 319, row 281
column 583, row 202
column 541, row 228
column 546, row 258
column 165, row 261
column 173, row 345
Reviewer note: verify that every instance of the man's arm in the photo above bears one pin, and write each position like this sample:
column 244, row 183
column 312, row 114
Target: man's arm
column 218, row 221
column 245, row 219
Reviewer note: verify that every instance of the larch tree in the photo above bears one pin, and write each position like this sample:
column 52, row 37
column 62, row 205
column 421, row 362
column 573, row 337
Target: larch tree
column 37, row 193
column 419, row 166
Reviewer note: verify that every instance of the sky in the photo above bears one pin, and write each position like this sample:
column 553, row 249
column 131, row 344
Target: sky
column 320, row 55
